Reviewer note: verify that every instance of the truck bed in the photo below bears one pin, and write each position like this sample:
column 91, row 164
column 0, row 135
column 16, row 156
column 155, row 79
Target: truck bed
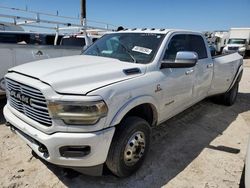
column 225, row 68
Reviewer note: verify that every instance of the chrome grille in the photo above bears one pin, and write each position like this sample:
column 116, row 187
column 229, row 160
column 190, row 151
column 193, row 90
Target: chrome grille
column 233, row 48
column 29, row 101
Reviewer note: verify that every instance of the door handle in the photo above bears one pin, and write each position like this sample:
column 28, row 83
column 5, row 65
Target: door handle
column 188, row 72
column 210, row 65
column 39, row 53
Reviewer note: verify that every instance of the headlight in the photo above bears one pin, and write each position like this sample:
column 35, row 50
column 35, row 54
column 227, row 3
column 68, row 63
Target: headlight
column 78, row 113
column 242, row 49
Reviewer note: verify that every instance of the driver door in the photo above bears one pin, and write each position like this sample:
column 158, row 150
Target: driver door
column 177, row 83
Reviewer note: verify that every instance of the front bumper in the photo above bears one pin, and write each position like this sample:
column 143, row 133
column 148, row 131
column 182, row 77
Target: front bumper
column 99, row 143
column 242, row 53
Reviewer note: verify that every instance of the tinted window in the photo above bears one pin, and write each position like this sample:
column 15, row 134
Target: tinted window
column 94, row 39
column 73, row 41
column 196, row 44
column 50, row 39
column 14, row 38
column 176, row 44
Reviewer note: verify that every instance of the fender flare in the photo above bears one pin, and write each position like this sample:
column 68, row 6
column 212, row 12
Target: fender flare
column 237, row 76
column 133, row 103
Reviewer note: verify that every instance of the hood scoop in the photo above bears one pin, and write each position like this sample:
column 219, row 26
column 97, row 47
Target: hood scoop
column 132, row 71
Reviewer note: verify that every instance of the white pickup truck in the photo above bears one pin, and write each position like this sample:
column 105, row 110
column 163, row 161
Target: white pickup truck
column 99, row 108
column 17, row 48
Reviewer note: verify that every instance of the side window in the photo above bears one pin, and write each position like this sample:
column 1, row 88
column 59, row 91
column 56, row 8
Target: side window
column 196, row 44
column 94, row 39
column 176, row 44
column 8, row 38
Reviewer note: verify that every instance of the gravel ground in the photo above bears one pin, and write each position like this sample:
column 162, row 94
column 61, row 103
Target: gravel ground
column 204, row 146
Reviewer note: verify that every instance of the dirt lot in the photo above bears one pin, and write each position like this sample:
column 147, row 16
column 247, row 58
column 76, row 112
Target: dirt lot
column 202, row 147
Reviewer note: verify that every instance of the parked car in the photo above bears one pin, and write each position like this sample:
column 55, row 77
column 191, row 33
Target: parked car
column 83, row 111
column 239, row 41
column 245, row 178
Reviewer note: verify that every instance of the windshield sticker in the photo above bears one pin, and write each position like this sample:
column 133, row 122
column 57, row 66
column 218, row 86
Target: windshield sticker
column 142, row 50
column 107, row 52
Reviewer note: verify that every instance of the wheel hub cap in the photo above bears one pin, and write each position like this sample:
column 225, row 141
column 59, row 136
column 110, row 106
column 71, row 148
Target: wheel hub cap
column 135, row 148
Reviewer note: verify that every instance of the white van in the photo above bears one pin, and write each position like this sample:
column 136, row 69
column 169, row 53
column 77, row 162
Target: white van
column 239, row 41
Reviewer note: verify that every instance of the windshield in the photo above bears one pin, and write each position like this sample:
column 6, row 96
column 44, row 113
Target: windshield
column 237, row 41
column 130, row 47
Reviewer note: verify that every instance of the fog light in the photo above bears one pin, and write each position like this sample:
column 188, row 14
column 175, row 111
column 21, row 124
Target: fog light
column 74, row 151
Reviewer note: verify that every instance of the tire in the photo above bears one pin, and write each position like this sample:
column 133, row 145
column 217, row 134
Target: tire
column 242, row 179
column 230, row 97
column 129, row 146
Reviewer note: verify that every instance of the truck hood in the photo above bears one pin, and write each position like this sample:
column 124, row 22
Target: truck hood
column 80, row 74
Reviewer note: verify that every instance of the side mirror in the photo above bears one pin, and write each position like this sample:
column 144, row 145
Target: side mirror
column 183, row 60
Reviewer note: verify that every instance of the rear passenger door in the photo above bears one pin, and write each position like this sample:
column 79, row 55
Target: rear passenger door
column 203, row 69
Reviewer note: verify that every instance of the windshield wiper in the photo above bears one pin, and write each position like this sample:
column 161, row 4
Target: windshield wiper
column 128, row 52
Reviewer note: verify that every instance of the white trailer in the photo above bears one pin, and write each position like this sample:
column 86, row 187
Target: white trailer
column 221, row 38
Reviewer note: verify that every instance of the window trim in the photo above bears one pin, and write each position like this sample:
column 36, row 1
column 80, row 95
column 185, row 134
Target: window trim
column 168, row 42
column 203, row 43
column 188, row 38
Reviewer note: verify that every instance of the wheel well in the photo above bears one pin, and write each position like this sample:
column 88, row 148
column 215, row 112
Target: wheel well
column 145, row 111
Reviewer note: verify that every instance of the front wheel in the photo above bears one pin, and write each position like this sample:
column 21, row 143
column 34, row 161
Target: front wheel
column 129, row 146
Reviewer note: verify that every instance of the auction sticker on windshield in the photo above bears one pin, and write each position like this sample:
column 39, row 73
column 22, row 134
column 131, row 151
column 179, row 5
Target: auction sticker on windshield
column 142, row 50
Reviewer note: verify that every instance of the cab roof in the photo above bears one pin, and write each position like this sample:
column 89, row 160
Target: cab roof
column 156, row 31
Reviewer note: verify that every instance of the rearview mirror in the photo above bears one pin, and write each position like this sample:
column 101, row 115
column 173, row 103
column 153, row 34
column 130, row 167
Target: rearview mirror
column 183, row 60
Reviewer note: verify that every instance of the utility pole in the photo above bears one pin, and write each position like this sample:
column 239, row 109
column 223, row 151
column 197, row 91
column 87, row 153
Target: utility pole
column 83, row 12
column 84, row 21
